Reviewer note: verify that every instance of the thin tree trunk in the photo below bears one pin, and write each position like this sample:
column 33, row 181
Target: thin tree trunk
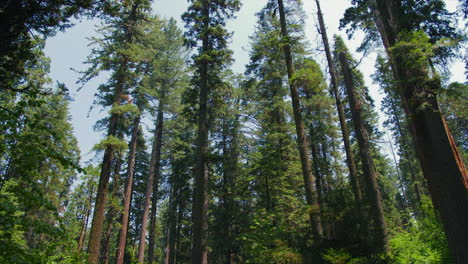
column 152, row 188
column 310, row 192
column 229, row 173
column 122, row 242
column 200, row 192
column 341, row 115
column 172, row 229
column 86, row 220
column 368, row 167
column 404, row 144
column 111, row 210
column 152, row 227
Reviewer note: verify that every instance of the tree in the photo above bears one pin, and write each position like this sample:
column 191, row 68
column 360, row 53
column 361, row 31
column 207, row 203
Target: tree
column 408, row 33
column 35, row 183
column 113, row 57
column 341, row 114
column 363, row 139
column 205, row 19
column 168, row 75
column 311, row 194
column 411, row 173
column 24, row 22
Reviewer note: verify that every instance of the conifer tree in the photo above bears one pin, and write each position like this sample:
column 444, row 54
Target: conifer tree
column 363, row 134
column 353, row 175
column 205, row 20
column 309, row 183
column 112, row 57
column 408, row 32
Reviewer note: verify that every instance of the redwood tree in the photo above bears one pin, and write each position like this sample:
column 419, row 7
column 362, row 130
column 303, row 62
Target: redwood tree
column 408, row 31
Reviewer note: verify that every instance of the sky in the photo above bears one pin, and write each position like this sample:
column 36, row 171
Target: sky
column 68, row 50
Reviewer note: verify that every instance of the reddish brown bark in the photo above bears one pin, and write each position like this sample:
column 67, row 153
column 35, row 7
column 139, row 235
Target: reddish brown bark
column 172, row 229
column 85, row 220
column 441, row 162
column 101, row 197
column 122, row 242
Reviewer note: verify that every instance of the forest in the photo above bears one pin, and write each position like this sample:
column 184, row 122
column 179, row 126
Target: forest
column 282, row 163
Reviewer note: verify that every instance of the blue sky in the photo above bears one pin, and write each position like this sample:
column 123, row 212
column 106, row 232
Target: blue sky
column 69, row 49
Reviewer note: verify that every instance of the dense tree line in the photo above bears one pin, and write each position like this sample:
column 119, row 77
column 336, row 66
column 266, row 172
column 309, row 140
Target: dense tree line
column 198, row 164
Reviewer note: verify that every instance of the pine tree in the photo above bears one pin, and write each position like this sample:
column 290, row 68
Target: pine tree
column 362, row 134
column 115, row 93
column 339, row 105
column 206, row 19
column 310, row 189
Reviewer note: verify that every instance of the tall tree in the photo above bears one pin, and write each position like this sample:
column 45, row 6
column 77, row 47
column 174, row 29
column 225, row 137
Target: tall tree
column 168, row 74
column 339, row 105
column 122, row 241
column 411, row 174
column 113, row 57
column 206, row 19
column 309, row 181
column 38, row 163
column 408, row 32
column 362, row 134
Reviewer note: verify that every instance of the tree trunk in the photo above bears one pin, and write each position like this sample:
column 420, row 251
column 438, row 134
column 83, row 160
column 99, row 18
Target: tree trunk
column 105, row 247
column 128, row 192
column 442, row 164
column 99, row 208
column 230, row 172
column 370, row 174
column 341, row 115
column 152, row 184
column 172, row 228
column 85, row 221
column 111, row 209
column 310, row 192
column 404, row 145
column 101, row 196
column 200, row 192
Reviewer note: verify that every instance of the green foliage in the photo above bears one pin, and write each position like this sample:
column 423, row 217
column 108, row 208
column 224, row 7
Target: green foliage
column 428, row 16
column 113, row 142
column 452, row 101
column 423, row 241
column 126, row 108
column 341, row 256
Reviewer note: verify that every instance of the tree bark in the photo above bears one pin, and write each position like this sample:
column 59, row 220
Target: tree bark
column 101, row 197
column 441, row 162
column 370, row 174
column 153, row 183
column 310, row 192
column 230, row 172
column 172, row 228
column 200, row 192
column 341, row 115
column 122, row 242
column 86, row 219
column 100, row 205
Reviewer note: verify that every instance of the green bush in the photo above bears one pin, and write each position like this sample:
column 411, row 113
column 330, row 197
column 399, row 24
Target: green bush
column 422, row 242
